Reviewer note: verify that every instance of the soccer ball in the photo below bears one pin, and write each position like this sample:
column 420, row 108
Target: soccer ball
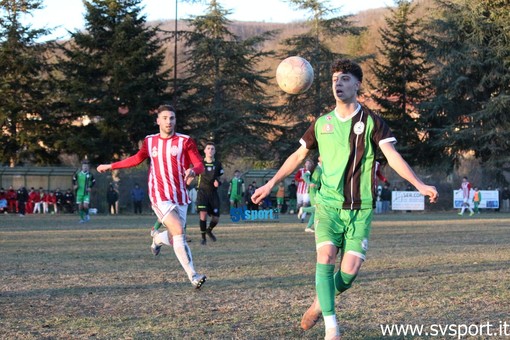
column 294, row 75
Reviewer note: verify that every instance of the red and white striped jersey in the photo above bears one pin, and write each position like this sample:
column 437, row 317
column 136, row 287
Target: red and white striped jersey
column 302, row 186
column 466, row 188
column 170, row 157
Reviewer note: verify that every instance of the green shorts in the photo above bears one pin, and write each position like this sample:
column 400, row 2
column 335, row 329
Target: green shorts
column 83, row 199
column 236, row 198
column 348, row 230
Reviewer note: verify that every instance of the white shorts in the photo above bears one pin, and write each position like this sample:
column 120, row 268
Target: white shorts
column 303, row 199
column 162, row 209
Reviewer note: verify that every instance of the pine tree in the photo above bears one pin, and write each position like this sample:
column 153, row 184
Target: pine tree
column 401, row 77
column 27, row 123
column 113, row 78
column 222, row 95
column 469, row 113
column 315, row 46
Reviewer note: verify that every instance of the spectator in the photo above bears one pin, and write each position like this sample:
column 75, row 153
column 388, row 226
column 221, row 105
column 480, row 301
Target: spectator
column 12, row 200
column 33, row 196
column 51, row 202
column 247, row 198
column 22, row 195
column 280, row 196
column 3, row 201
column 386, row 198
column 137, row 194
column 59, row 196
column 69, row 201
column 112, row 196
column 292, row 188
column 505, row 198
column 38, row 201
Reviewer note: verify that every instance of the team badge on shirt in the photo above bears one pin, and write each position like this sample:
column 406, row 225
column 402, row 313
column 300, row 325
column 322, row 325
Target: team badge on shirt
column 154, row 152
column 359, row 127
column 174, row 151
column 327, row 128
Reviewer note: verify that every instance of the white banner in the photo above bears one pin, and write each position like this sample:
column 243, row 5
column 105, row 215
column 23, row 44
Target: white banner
column 407, row 200
column 490, row 199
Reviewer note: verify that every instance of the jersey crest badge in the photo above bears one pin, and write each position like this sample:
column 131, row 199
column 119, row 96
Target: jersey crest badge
column 359, row 127
column 154, row 152
column 328, row 117
column 174, row 151
column 327, row 128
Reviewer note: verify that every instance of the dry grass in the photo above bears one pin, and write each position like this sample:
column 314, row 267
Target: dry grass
column 63, row 280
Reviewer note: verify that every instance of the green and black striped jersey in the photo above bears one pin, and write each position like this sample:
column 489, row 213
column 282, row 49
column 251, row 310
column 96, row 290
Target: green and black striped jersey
column 347, row 149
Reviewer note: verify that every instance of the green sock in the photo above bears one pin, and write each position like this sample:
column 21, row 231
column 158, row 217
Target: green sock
column 82, row 215
column 311, row 220
column 343, row 281
column 310, row 209
column 325, row 286
column 157, row 225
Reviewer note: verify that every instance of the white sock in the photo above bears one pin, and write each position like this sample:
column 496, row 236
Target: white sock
column 331, row 326
column 462, row 210
column 330, row 321
column 183, row 253
column 162, row 238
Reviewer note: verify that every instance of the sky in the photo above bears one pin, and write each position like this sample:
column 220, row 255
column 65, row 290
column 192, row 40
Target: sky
column 62, row 15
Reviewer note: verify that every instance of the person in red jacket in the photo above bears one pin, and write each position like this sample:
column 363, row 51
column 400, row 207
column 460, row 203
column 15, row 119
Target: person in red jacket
column 33, row 196
column 174, row 159
column 12, row 200
column 50, row 201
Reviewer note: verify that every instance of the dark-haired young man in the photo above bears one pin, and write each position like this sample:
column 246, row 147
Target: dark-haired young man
column 347, row 139
column 174, row 159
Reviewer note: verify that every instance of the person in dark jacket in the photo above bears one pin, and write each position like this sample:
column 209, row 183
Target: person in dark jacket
column 112, row 196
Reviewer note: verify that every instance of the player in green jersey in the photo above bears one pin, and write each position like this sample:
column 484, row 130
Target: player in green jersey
column 83, row 181
column 236, row 190
column 347, row 139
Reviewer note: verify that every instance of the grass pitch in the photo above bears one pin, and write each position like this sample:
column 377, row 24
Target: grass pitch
column 64, row 280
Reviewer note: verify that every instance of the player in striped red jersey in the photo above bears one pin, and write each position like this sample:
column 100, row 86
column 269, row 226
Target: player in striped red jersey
column 174, row 160
column 303, row 198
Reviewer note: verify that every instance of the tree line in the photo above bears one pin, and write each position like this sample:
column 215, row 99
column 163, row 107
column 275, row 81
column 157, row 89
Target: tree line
column 441, row 80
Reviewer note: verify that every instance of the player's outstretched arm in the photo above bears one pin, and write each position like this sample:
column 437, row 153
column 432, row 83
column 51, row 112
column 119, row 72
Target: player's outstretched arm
column 291, row 163
column 398, row 164
column 104, row 167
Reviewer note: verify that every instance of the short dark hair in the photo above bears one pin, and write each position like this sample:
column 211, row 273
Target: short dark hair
column 210, row 143
column 347, row 66
column 165, row 107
